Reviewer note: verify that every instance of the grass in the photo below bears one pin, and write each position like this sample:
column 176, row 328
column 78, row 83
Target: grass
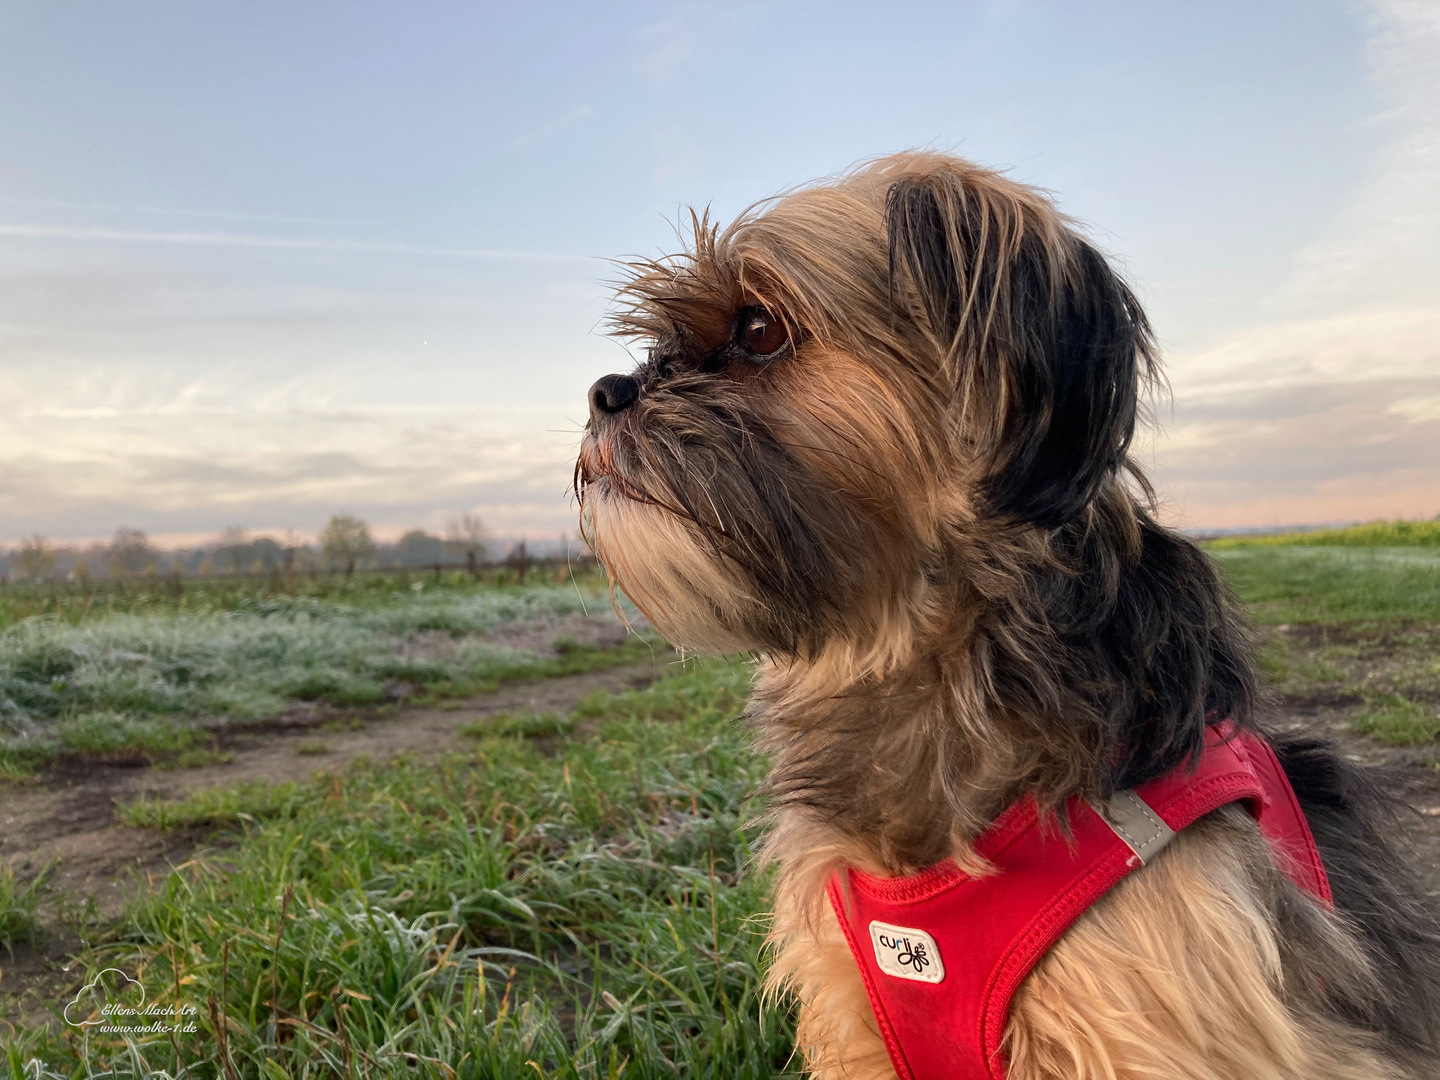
column 1397, row 720
column 78, row 602
column 18, row 905
column 248, row 801
column 574, row 896
column 1369, row 534
column 577, row 909
column 1351, row 618
column 1297, row 583
column 153, row 684
column 530, row 724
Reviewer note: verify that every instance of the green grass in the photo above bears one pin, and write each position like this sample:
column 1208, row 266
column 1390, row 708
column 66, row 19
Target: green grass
column 1370, row 534
column 248, row 801
column 1399, row 721
column 18, row 904
column 575, row 895
column 138, row 682
column 576, row 911
column 529, row 724
column 77, row 602
column 1355, row 623
column 1307, row 584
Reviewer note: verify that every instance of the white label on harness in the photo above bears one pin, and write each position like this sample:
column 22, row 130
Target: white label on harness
column 906, row 953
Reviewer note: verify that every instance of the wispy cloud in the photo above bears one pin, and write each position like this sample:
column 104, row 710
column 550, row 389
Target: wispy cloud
column 284, row 243
column 1381, row 247
column 545, row 132
column 175, row 211
column 1326, row 410
column 664, row 45
column 199, row 471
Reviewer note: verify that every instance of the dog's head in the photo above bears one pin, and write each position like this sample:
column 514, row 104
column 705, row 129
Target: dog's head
column 843, row 384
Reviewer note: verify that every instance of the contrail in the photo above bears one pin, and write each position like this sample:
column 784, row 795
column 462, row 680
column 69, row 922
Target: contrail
column 242, row 240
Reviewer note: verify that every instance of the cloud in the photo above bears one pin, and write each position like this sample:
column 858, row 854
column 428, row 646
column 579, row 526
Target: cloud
column 538, row 137
column 1381, row 248
column 283, row 243
column 180, row 402
column 667, row 43
column 85, row 1009
column 1308, row 420
column 174, row 211
column 275, row 470
column 1329, row 409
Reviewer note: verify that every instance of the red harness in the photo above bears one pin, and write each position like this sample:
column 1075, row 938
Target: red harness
column 942, row 953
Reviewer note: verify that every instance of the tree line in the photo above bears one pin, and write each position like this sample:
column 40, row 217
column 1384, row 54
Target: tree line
column 344, row 545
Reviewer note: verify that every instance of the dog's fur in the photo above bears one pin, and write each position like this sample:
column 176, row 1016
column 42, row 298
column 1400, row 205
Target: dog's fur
column 921, row 514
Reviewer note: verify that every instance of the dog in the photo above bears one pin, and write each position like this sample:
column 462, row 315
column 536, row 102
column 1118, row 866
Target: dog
column 882, row 442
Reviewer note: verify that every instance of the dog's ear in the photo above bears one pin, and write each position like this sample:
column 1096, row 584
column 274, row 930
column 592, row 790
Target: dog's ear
column 1045, row 344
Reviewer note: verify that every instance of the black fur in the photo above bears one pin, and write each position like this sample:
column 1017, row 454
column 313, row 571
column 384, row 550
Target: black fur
column 1143, row 649
column 1355, row 824
column 1049, row 320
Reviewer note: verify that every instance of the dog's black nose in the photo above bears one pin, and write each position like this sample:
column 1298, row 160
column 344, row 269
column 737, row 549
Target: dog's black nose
column 613, row 394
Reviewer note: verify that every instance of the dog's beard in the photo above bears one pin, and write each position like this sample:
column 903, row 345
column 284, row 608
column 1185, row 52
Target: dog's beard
column 662, row 563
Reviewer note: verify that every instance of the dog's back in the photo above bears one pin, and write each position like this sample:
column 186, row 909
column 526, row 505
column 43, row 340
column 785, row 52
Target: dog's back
column 1359, row 830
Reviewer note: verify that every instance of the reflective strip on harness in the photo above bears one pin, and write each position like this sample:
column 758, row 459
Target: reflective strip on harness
column 942, row 953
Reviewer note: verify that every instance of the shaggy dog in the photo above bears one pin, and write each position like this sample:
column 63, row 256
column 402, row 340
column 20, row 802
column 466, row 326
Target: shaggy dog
column 881, row 441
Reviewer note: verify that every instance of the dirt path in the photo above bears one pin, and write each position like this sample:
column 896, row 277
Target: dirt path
column 1407, row 773
column 70, row 815
column 68, row 818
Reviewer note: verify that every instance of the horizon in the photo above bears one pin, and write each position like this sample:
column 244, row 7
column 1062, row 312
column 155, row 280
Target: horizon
column 273, row 264
column 284, row 538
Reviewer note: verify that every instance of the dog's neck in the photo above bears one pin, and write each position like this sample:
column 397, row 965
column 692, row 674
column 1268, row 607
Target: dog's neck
column 908, row 768
column 1014, row 669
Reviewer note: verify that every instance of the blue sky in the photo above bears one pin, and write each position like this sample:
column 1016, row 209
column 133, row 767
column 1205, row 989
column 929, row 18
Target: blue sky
column 260, row 263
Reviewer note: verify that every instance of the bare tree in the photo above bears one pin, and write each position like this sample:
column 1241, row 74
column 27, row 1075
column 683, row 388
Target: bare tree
column 35, row 558
column 129, row 552
column 519, row 560
column 231, row 546
column 467, row 535
column 346, row 542
column 290, row 547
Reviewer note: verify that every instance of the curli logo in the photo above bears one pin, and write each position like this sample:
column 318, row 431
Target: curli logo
column 906, row 953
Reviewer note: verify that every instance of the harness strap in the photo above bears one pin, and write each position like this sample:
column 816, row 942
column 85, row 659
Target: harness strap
column 943, row 953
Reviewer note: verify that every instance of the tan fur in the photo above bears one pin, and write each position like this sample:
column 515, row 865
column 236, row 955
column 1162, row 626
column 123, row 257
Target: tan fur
column 674, row 582
column 925, row 658
column 1179, row 973
column 835, row 1027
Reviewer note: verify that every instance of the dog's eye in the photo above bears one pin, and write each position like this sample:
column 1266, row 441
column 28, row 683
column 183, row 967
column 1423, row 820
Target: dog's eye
column 762, row 333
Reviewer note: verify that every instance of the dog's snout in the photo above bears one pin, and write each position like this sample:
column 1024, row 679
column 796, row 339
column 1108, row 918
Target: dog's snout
column 613, row 394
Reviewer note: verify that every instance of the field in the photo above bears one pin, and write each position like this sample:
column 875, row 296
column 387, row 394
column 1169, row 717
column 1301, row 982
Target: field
column 150, row 671
column 531, row 859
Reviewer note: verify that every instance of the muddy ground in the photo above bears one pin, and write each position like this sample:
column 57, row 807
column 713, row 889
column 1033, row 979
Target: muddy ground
column 68, row 817
column 1408, row 773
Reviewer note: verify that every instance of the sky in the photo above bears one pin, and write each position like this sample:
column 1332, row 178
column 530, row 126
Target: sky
column 261, row 263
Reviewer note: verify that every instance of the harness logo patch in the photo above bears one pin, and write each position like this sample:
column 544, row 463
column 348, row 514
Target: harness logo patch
column 906, row 953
